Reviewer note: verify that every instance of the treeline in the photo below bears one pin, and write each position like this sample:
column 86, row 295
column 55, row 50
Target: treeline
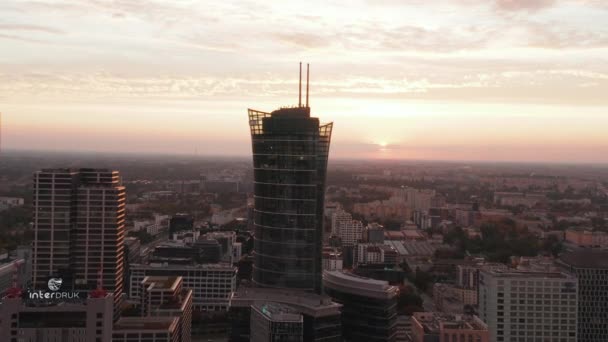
column 501, row 240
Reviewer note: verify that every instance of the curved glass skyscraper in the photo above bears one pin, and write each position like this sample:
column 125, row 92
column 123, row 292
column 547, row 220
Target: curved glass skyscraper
column 290, row 152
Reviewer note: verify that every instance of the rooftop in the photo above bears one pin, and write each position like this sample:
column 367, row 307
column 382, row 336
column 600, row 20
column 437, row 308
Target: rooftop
column 146, row 323
column 349, row 282
column 434, row 322
column 304, row 302
column 162, row 282
column 590, row 258
column 278, row 312
column 525, row 273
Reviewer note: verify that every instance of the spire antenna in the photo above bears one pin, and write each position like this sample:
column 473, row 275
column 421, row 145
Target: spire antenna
column 307, row 78
column 300, row 88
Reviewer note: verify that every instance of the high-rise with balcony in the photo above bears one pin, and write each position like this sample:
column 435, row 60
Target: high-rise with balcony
column 290, row 153
column 79, row 229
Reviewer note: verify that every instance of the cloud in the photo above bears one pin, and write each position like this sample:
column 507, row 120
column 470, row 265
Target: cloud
column 19, row 38
column 306, row 40
column 30, row 28
column 555, row 37
column 523, row 5
column 568, row 86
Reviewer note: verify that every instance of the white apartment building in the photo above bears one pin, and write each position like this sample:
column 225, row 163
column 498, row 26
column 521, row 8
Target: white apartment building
column 525, row 306
column 342, row 225
column 337, row 218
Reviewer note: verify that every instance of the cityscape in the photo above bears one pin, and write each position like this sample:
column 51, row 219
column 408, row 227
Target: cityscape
column 124, row 217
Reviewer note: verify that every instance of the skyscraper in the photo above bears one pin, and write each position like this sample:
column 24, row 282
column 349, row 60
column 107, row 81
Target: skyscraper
column 54, row 216
column 290, row 152
column 591, row 269
column 79, row 229
column 99, row 231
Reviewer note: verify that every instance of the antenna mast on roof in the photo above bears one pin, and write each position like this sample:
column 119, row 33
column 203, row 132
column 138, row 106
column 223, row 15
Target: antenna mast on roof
column 300, row 88
column 307, row 78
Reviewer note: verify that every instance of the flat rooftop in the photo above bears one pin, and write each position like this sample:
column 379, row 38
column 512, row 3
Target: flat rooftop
column 432, row 322
column 307, row 303
column 146, row 323
column 352, row 283
column 162, row 282
column 518, row 273
column 590, row 258
column 278, row 312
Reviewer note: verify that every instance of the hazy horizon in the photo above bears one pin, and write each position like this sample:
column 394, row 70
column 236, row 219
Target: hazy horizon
column 460, row 80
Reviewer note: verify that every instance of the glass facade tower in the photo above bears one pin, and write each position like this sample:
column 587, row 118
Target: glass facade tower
column 290, row 153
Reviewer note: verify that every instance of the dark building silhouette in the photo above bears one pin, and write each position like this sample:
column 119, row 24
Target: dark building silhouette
column 180, row 222
column 321, row 316
column 290, row 152
column 369, row 311
column 591, row 269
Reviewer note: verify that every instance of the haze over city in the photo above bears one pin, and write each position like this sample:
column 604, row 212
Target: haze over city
column 503, row 80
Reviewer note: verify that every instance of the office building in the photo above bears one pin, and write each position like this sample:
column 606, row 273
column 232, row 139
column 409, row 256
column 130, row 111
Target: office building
column 440, row 327
column 521, row 305
column 591, row 269
column 99, row 231
column 290, row 154
column 27, row 320
column 165, row 296
column 79, row 228
column 369, row 311
column 320, row 316
column 212, row 284
column 149, row 329
column 54, row 216
column 274, row 322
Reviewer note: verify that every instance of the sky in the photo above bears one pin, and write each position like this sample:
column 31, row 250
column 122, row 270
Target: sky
column 495, row 80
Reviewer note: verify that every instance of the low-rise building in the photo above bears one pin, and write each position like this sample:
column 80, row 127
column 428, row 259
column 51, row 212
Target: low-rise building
column 453, row 299
column 440, row 327
column 165, row 296
column 211, row 284
column 587, row 238
column 149, row 329
column 332, row 259
column 10, row 202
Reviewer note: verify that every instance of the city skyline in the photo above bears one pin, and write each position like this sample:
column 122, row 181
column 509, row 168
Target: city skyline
column 504, row 80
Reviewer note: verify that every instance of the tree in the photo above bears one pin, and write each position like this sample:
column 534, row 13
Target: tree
column 408, row 301
column 552, row 245
column 422, row 280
